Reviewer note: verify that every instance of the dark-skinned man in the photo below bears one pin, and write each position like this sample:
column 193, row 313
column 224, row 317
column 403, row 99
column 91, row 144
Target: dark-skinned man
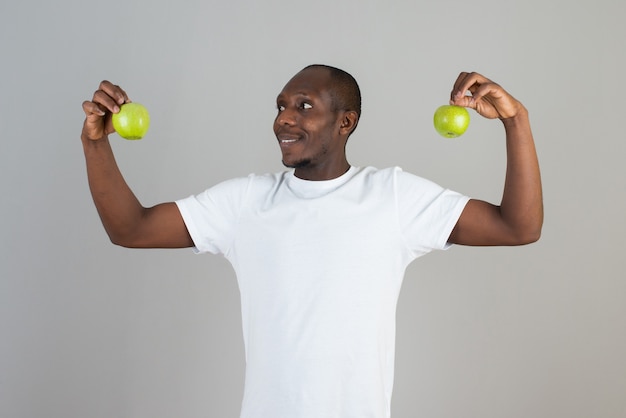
column 320, row 250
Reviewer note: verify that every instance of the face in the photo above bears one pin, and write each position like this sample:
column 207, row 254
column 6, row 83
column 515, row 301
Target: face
column 308, row 129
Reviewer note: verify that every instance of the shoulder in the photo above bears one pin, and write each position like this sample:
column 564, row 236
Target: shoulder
column 397, row 177
column 234, row 193
column 377, row 174
column 244, row 183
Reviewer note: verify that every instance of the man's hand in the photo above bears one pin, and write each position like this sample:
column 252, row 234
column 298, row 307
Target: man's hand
column 106, row 101
column 487, row 98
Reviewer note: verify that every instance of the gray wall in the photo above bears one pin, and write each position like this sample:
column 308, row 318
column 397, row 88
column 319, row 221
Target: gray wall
column 91, row 330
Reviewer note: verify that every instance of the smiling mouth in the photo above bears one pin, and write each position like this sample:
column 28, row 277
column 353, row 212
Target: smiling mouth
column 287, row 139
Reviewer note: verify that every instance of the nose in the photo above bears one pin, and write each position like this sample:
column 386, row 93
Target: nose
column 286, row 117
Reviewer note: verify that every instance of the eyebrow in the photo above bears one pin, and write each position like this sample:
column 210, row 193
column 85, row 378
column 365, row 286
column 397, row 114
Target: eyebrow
column 297, row 93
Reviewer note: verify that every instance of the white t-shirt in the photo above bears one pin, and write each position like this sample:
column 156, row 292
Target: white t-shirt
column 319, row 266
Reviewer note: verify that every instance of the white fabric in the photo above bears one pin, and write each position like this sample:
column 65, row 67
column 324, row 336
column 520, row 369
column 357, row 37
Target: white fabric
column 319, row 267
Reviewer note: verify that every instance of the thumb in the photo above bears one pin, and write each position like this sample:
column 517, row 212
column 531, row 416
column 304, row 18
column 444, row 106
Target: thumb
column 464, row 101
column 94, row 126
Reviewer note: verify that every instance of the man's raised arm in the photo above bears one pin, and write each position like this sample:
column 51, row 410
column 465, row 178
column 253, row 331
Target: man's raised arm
column 125, row 220
column 519, row 217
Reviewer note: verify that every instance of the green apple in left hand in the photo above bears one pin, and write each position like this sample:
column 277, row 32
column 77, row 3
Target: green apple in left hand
column 451, row 121
column 132, row 121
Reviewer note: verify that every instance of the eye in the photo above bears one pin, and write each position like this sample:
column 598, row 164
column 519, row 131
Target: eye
column 306, row 106
column 280, row 107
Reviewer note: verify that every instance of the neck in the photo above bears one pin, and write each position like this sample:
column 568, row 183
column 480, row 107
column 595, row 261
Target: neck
column 322, row 173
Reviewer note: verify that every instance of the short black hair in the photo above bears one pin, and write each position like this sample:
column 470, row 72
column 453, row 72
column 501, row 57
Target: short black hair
column 345, row 91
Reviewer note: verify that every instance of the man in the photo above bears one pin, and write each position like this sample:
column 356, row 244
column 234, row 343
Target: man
column 320, row 251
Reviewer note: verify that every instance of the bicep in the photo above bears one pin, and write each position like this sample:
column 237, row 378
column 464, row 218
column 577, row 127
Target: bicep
column 481, row 224
column 161, row 226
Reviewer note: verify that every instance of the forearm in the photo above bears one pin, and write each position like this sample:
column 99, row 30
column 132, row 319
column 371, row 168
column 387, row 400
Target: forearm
column 118, row 207
column 522, row 202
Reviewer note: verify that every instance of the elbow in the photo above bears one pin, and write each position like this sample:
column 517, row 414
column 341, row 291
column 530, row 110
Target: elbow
column 124, row 234
column 528, row 236
column 528, row 231
column 534, row 233
column 122, row 240
column 119, row 241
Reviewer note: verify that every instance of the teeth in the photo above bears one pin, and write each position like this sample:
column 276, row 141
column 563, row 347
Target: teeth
column 286, row 141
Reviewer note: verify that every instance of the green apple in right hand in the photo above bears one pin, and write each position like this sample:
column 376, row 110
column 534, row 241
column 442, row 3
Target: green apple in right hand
column 451, row 121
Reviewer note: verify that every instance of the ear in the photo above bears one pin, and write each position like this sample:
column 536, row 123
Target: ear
column 349, row 120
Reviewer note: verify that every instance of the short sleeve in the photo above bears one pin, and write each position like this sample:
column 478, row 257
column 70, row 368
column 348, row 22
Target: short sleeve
column 211, row 216
column 427, row 212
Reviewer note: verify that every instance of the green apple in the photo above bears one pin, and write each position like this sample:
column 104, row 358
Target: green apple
column 132, row 121
column 451, row 121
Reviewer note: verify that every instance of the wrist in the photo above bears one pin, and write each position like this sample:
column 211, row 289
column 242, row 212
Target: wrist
column 94, row 144
column 87, row 139
column 520, row 118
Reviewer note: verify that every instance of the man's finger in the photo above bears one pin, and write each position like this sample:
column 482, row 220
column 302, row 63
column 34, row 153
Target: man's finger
column 114, row 91
column 468, row 82
column 91, row 108
column 106, row 101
